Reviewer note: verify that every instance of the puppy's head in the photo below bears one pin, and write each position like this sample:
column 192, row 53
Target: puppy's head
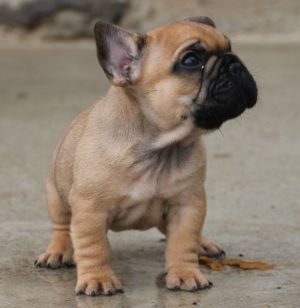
column 180, row 73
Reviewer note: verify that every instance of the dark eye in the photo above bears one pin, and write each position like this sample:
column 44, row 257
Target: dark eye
column 191, row 59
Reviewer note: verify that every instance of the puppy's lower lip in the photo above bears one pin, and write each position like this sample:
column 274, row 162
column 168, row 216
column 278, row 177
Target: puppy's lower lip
column 211, row 115
column 210, row 125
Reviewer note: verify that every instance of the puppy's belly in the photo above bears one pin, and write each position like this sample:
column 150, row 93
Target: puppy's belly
column 142, row 215
column 145, row 206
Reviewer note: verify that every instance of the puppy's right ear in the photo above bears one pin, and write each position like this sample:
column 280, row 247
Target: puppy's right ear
column 119, row 52
column 202, row 20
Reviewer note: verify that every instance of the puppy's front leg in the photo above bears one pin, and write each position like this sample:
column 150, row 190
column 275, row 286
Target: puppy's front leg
column 92, row 251
column 184, row 224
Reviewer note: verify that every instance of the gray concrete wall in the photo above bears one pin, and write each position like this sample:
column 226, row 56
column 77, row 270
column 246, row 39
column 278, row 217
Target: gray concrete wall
column 256, row 19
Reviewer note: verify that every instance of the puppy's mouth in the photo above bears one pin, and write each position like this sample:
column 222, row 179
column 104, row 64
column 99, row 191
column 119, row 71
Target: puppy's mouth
column 227, row 90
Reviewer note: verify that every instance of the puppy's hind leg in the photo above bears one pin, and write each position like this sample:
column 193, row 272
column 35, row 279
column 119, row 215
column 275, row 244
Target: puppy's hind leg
column 207, row 247
column 60, row 250
column 210, row 249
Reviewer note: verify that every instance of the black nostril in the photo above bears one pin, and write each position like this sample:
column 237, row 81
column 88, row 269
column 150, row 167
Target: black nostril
column 235, row 68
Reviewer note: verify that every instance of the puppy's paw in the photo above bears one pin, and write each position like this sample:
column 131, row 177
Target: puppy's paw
column 210, row 249
column 100, row 283
column 59, row 253
column 55, row 260
column 186, row 278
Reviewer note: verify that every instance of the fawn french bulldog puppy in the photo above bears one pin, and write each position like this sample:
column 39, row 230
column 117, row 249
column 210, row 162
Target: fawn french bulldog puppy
column 135, row 159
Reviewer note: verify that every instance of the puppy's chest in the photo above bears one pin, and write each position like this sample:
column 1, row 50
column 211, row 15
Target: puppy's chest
column 162, row 173
column 152, row 181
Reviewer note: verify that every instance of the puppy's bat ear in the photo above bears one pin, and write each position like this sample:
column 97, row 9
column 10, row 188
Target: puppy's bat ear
column 119, row 52
column 202, row 20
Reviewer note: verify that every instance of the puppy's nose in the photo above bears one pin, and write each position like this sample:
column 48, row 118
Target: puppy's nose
column 239, row 72
column 240, row 79
column 235, row 68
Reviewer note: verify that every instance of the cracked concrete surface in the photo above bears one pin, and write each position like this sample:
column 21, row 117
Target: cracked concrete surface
column 252, row 186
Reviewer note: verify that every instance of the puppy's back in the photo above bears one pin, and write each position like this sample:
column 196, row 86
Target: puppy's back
column 61, row 169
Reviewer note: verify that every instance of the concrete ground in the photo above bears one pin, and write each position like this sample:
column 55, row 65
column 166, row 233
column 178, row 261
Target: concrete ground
column 252, row 186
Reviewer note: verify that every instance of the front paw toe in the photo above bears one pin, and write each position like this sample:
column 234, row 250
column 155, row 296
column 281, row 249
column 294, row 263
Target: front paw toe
column 98, row 285
column 188, row 279
column 55, row 260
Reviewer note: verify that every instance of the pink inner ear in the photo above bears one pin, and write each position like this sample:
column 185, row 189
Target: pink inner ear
column 119, row 58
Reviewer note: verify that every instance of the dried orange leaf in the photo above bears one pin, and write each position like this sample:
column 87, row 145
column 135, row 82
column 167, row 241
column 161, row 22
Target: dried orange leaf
column 247, row 265
column 218, row 265
column 215, row 265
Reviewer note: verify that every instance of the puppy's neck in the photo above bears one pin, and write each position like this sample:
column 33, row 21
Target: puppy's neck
column 130, row 117
column 179, row 134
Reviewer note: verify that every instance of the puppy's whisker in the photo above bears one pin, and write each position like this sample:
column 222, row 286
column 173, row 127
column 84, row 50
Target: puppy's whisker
column 221, row 133
column 240, row 119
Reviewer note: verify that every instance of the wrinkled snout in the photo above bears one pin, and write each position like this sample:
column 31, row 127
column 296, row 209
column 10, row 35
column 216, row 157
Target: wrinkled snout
column 227, row 90
column 234, row 80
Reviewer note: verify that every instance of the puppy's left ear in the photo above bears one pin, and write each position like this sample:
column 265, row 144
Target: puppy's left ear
column 119, row 52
